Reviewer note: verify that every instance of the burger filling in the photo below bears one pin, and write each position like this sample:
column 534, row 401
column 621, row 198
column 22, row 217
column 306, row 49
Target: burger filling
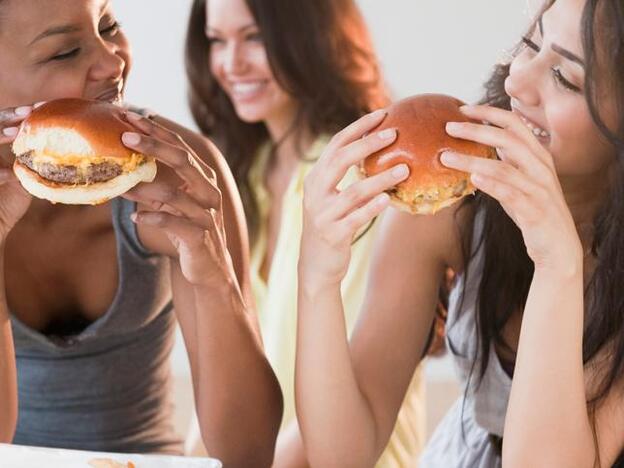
column 75, row 174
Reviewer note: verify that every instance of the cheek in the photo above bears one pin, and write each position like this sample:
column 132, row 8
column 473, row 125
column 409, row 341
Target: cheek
column 23, row 87
column 578, row 146
column 215, row 59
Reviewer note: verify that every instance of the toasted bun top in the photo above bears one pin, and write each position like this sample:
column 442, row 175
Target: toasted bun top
column 421, row 124
column 75, row 127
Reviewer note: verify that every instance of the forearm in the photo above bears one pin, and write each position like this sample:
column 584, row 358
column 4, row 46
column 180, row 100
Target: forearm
column 8, row 374
column 337, row 425
column 547, row 422
column 239, row 401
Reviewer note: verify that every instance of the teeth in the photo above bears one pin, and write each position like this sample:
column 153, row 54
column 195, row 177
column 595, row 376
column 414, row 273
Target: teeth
column 538, row 132
column 247, row 89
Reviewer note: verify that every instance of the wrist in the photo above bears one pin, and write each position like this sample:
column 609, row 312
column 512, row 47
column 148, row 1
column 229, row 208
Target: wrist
column 312, row 285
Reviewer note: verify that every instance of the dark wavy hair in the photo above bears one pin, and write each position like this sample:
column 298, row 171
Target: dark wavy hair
column 504, row 286
column 320, row 53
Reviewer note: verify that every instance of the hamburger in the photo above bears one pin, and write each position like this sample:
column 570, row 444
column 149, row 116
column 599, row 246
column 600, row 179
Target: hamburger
column 421, row 139
column 70, row 151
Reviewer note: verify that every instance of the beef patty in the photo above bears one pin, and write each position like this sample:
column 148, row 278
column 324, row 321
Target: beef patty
column 70, row 175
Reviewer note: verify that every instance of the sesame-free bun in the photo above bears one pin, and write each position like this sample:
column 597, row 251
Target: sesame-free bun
column 421, row 126
column 70, row 151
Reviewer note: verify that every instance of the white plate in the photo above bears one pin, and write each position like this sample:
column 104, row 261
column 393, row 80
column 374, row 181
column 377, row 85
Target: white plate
column 16, row 456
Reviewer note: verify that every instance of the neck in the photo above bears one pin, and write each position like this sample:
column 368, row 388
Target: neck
column 585, row 196
column 291, row 140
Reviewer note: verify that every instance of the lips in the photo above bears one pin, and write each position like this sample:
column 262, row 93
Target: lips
column 112, row 94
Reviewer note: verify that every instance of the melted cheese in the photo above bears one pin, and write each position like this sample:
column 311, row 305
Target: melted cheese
column 82, row 163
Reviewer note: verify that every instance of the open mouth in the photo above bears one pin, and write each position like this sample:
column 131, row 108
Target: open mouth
column 535, row 129
column 247, row 90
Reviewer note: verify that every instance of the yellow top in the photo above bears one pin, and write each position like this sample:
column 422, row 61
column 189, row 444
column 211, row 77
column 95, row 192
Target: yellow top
column 276, row 301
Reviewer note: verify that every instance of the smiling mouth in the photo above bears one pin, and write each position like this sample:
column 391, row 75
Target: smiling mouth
column 533, row 127
column 246, row 90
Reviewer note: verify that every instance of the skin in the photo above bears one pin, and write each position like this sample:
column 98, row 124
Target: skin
column 550, row 186
column 238, row 59
column 191, row 213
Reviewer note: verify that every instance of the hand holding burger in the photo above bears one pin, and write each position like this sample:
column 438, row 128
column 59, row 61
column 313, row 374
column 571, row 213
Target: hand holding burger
column 398, row 149
column 421, row 125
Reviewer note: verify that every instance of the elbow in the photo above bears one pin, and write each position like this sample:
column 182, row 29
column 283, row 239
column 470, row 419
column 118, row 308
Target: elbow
column 243, row 436
column 235, row 450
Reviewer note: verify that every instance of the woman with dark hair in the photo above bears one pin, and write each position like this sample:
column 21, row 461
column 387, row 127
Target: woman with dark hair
column 269, row 82
column 536, row 316
column 93, row 293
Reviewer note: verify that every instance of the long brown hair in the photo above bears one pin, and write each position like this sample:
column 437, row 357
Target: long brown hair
column 504, row 286
column 320, row 53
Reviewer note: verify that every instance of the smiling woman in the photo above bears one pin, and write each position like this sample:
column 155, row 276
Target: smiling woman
column 93, row 292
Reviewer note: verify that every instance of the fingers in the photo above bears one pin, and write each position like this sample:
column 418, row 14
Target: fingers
column 336, row 165
column 182, row 161
column 149, row 127
column 162, row 196
column 360, row 217
column 480, row 168
column 357, row 129
column 9, row 122
column 509, row 121
column 183, row 229
column 510, row 148
column 361, row 192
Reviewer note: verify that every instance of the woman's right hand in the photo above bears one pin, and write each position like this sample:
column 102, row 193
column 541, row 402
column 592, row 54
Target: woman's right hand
column 14, row 200
column 332, row 217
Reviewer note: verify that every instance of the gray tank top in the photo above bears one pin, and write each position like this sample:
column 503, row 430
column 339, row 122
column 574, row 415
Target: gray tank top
column 462, row 439
column 109, row 387
column 487, row 401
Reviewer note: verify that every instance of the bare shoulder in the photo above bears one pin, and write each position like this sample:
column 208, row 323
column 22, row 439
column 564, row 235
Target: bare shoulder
column 433, row 239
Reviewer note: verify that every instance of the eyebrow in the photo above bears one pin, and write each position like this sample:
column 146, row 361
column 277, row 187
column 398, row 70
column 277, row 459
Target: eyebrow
column 560, row 50
column 56, row 30
column 241, row 29
column 65, row 29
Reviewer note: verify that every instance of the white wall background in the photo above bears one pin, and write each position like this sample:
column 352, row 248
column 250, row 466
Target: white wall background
column 425, row 46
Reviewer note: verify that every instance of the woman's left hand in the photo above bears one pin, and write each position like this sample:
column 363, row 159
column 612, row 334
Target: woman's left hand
column 523, row 180
column 184, row 202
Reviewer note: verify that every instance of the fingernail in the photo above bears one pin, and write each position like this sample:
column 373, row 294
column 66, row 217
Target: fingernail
column 400, row 171
column 387, row 134
column 465, row 108
column 383, row 198
column 452, row 126
column 133, row 116
column 448, row 157
column 131, row 138
column 379, row 113
column 39, row 104
column 10, row 131
column 134, row 217
column 23, row 111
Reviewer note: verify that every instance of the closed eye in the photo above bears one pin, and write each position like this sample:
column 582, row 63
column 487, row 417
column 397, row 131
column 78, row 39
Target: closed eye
column 67, row 55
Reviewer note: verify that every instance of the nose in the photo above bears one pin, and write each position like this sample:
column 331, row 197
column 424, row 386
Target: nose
column 234, row 61
column 524, row 83
column 108, row 64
